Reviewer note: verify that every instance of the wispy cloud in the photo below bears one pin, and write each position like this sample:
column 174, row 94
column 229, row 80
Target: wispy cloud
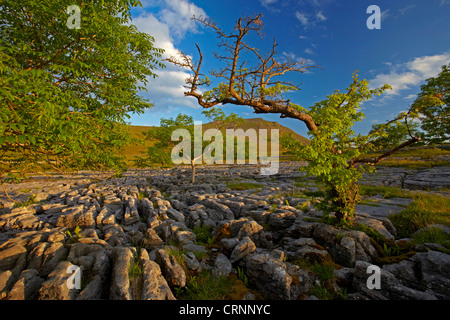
column 302, row 18
column 310, row 20
column 267, row 3
column 320, row 16
column 171, row 22
column 405, row 10
column 405, row 76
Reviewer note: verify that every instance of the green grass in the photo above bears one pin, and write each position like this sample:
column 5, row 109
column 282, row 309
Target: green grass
column 425, row 209
column 413, row 164
column 135, row 269
column 239, row 186
column 385, row 192
column 202, row 235
column 205, row 286
column 432, row 235
column 324, row 272
column 321, row 293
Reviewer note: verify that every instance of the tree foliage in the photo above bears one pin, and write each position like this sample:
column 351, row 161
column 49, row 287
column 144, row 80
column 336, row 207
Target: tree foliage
column 66, row 93
column 161, row 151
column 433, row 105
column 252, row 78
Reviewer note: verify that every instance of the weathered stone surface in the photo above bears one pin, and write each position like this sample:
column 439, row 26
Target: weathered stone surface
column 222, row 266
column 13, row 258
column 55, row 287
column 93, row 290
column 26, row 288
column 434, row 270
column 119, row 214
column 154, row 287
column 270, row 276
column 6, row 281
column 243, row 248
column 120, row 283
column 171, row 269
column 249, row 229
column 390, row 287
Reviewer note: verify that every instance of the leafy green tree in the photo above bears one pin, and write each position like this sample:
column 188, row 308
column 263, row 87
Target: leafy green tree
column 161, row 151
column 433, row 106
column 252, row 78
column 66, row 92
column 393, row 133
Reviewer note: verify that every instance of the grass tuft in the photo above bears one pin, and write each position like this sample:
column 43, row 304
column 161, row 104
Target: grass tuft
column 426, row 209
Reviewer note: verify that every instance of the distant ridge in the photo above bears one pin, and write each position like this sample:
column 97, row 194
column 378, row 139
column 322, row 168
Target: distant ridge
column 137, row 132
column 259, row 123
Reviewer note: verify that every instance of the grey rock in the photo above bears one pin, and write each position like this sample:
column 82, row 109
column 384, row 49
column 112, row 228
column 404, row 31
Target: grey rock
column 55, row 287
column 26, row 288
column 390, row 286
column 281, row 220
column 120, row 283
column 6, row 281
column 222, row 266
column 244, row 247
column 434, row 269
column 93, row 290
column 154, row 285
column 170, row 268
column 270, row 276
column 13, row 258
column 151, row 240
column 249, row 229
column 191, row 261
column 175, row 215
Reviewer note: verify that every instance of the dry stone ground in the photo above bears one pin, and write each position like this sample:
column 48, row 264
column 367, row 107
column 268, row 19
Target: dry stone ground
column 122, row 231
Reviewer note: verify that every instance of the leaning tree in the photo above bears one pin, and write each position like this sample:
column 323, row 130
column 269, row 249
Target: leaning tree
column 252, row 78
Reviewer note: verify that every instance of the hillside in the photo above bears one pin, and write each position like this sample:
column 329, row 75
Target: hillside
column 256, row 123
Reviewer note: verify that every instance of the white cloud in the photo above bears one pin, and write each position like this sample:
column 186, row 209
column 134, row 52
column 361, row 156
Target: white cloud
column 167, row 90
column 309, row 51
column 308, row 20
column 406, row 75
column 385, row 14
column 177, row 15
column 266, row 3
column 302, row 18
column 320, row 16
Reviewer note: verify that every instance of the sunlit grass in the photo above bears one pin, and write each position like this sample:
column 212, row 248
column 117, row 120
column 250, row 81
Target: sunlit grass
column 426, row 209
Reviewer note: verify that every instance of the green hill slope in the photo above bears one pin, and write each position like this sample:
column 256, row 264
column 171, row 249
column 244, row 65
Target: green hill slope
column 137, row 132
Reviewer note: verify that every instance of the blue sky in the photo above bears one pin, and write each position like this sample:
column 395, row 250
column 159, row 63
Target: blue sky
column 411, row 46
